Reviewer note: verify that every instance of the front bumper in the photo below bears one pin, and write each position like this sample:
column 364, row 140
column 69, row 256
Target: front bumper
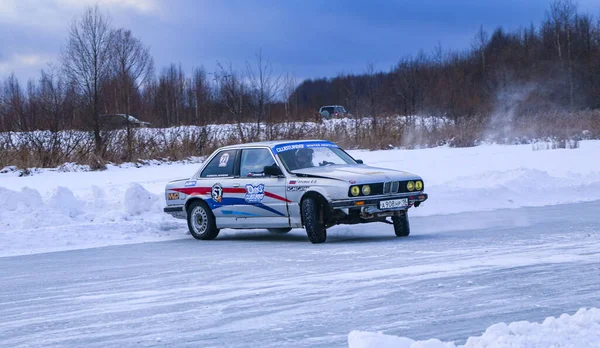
column 414, row 199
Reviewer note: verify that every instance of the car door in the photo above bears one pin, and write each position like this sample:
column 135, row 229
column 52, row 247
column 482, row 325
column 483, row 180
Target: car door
column 262, row 201
column 215, row 183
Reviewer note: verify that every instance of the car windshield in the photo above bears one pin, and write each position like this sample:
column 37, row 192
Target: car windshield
column 314, row 157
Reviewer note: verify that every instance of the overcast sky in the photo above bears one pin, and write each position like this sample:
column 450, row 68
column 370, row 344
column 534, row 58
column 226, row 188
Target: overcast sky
column 308, row 38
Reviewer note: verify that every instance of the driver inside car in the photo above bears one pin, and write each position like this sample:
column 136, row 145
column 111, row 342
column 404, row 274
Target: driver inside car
column 304, row 158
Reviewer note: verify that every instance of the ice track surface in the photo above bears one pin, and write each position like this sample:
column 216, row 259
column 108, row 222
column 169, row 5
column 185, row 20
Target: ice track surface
column 455, row 276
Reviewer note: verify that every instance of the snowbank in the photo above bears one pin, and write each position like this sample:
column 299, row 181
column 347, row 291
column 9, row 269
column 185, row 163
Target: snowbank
column 581, row 330
column 55, row 210
column 59, row 220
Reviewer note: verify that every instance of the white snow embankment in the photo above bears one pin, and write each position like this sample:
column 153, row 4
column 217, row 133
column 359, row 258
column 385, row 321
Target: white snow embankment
column 31, row 223
column 491, row 177
column 580, row 330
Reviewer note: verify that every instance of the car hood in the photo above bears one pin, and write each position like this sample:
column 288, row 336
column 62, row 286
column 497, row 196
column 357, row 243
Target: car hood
column 359, row 173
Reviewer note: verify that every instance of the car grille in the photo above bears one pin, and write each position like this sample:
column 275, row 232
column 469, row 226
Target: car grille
column 384, row 188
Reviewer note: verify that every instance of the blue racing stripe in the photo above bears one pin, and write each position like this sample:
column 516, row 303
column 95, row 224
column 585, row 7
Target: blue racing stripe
column 227, row 201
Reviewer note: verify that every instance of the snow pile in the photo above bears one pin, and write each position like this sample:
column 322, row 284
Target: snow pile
column 63, row 200
column 59, row 219
column 138, row 200
column 581, row 330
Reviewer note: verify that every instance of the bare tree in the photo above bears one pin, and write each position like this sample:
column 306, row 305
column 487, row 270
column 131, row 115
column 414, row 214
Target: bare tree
column 479, row 44
column 232, row 94
column 372, row 92
column 134, row 66
column 86, row 62
column 563, row 16
column 290, row 98
column 200, row 96
column 264, row 87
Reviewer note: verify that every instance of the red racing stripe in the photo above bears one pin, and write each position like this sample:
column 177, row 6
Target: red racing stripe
column 272, row 195
column 191, row 191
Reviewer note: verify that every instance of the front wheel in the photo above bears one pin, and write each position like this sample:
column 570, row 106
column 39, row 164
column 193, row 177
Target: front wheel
column 311, row 216
column 401, row 225
column 201, row 221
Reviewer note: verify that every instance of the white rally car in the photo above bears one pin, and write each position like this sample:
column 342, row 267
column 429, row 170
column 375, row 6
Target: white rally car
column 282, row 185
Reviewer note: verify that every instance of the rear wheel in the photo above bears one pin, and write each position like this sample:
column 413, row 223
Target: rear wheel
column 201, row 221
column 279, row 230
column 401, row 225
column 311, row 216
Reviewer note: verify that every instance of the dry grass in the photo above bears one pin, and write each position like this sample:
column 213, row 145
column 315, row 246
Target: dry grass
column 46, row 149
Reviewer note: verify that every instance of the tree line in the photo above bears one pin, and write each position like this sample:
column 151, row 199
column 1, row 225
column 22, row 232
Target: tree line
column 554, row 66
column 106, row 70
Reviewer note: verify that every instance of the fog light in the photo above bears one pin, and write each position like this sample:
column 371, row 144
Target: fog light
column 419, row 185
column 366, row 190
column 354, row 190
column 410, row 186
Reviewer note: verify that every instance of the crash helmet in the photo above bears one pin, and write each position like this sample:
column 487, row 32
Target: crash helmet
column 304, row 157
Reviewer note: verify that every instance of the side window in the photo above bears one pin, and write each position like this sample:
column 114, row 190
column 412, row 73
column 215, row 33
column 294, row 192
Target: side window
column 254, row 161
column 221, row 165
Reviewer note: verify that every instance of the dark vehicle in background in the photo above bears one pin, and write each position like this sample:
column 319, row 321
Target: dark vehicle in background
column 330, row 111
column 120, row 121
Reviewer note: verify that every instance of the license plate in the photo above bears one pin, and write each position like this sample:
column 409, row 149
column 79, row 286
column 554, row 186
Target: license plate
column 393, row 203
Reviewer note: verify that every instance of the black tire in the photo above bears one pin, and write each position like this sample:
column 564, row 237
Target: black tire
column 311, row 216
column 279, row 230
column 401, row 225
column 201, row 221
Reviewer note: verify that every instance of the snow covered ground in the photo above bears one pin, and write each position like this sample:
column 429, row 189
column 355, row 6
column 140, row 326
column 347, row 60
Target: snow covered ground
column 581, row 329
column 472, row 260
column 455, row 276
column 54, row 211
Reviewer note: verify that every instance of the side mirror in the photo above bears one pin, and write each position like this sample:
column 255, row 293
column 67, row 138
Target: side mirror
column 359, row 161
column 273, row 171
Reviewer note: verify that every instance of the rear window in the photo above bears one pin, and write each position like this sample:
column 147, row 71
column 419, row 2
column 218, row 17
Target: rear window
column 221, row 165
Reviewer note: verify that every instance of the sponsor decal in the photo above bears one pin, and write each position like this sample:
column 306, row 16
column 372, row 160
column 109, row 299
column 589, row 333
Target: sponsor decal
column 171, row 196
column 306, row 181
column 255, row 193
column 292, row 182
column 217, row 175
column 190, row 183
column 373, row 173
column 216, row 192
column 223, row 160
column 302, row 145
column 297, row 188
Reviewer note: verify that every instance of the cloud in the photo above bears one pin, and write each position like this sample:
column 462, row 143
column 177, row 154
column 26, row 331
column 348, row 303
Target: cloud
column 34, row 31
column 143, row 6
column 25, row 64
column 57, row 14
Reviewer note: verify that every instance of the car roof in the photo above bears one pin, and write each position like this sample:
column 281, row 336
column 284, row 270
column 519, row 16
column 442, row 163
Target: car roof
column 273, row 143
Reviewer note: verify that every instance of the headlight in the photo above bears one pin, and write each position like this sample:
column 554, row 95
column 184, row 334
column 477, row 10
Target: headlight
column 410, row 185
column 419, row 185
column 366, row 190
column 354, row 190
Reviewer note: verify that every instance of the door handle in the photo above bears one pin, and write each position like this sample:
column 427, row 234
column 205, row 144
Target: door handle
column 236, row 185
